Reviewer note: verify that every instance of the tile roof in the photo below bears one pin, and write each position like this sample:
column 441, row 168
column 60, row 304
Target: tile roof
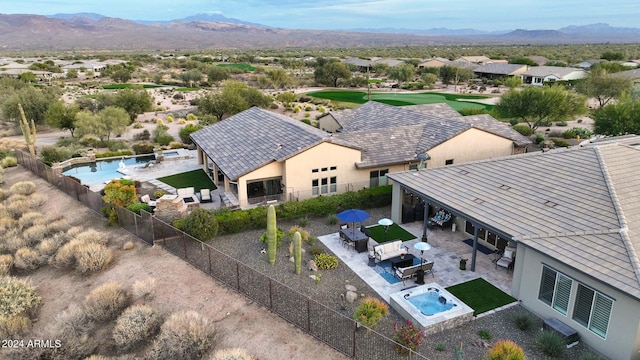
column 631, row 74
column 580, row 205
column 391, row 135
column 558, row 71
column 499, row 69
column 256, row 137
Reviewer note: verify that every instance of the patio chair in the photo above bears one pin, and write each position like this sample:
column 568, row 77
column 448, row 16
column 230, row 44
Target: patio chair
column 147, row 200
column 506, row 260
column 147, row 165
column 205, row 195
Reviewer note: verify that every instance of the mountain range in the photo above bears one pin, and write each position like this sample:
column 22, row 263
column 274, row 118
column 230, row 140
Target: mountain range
column 89, row 31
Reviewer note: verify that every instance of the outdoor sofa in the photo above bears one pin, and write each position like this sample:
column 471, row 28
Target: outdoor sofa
column 389, row 250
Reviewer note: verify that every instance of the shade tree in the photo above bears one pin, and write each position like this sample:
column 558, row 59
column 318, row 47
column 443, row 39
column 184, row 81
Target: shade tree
column 62, row 116
column 603, row 86
column 619, row 118
column 107, row 122
column 330, row 72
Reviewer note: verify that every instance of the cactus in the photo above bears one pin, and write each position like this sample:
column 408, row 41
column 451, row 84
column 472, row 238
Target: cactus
column 297, row 251
column 28, row 132
column 271, row 234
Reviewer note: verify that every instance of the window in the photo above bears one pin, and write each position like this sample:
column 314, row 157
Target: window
column 314, row 170
column 378, row 178
column 448, row 162
column 324, row 169
column 314, row 187
column 413, row 167
column 555, row 290
column 333, row 184
column 592, row 310
column 333, row 168
column 323, row 188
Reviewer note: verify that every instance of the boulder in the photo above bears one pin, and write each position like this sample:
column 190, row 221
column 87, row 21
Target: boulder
column 351, row 296
column 311, row 265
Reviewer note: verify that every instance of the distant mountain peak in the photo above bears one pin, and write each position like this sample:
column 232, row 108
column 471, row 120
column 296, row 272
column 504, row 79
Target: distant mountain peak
column 92, row 16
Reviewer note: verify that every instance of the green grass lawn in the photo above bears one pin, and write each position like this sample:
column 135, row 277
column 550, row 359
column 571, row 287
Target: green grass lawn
column 196, row 178
column 186, row 89
column 126, row 86
column 360, row 97
column 243, row 67
column 480, row 295
column 395, row 232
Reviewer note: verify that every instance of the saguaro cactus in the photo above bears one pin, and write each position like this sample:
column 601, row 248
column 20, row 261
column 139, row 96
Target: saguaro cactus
column 297, row 251
column 28, row 132
column 271, row 234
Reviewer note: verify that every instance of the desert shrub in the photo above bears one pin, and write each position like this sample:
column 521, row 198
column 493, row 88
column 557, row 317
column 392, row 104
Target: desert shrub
column 73, row 322
column 135, row 326
column 231, row 354
column 407, row 335
column 539, row 139
column 27, row 259
column 279, row 237
column 92, row 257
column 560, row 142
column 52, row 154
column 523, row 321
column 57, row 225
column 9, row 161
column 12, row 241
column 304, row 234
column 36, row 200
column 74, row 230
column 73, row 347
column 143, row 148
column 18, row 207
column 118, row 153
column 143, row 288
column 315, row 251
column 143, row 135
column 185, row 335
column 14, row 326
column 332, row 219
column 186, row 131
column 30, row 218
column 587, row 355
column 18, row 299
column 159, row 193
column 93, row 236
column 583, row 133
column 370, row 312
column 65, row 256
column 35, row 234
column 48, row 247
column 137, row 125
column 326, row 261
column 2, row 195
column 523, row 129
column 201, row 224
column 505, row 350
column 485, row 334
column 6, row 263
column 176, row 145
column 561, row 123
column 106, row 301
column 164, row 139
column 550, row 343
column 139, row 206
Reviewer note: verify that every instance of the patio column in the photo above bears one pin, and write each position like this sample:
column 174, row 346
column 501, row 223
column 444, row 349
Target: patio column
column 425, row 221
column 475, row 247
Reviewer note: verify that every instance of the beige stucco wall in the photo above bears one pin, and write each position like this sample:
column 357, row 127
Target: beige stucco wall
column 271, row 170
column 297, row 170
column 470, row 145
column 623, row 337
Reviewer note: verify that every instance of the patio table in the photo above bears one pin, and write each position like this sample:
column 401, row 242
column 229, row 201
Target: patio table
column 400, row 262
column 356, row 236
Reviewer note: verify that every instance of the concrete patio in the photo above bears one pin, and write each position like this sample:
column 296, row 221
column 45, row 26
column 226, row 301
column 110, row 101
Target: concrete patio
column 447, row 249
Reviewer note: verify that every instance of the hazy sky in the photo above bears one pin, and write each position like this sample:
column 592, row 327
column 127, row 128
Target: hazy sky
column 350, row 14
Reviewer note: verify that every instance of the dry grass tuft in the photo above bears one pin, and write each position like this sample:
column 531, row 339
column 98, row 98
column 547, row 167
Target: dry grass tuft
column 49, row 246
column 142, row 289
column 65, row 257
column 17, row 207
column 185, row 335
column 13, row 241
column 93, row 236
column 30, row 218
column 57, row 225
column 135, row 326
column 23, row 188
column 128, row 245
column 35, row 234
column 231, row 354
column 73, row 322
column 14, row 326
column 91, row 257
column 37, row 200
column 106, row 301
column 28, row 259
column 19, row 299
column 74, row 230
column 6, row 263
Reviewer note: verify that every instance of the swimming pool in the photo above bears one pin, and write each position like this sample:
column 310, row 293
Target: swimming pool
column 104, row 170
column 431, row 307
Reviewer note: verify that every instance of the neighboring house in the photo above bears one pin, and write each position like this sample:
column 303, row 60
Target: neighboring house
column 539, row 75
column 93, row 66
column 259, row 156
column 499, row 71
column 633, row 75
column 481, row 60
column 587, row 64
column 540, row 60
column 389, row 61
column 361, row 64
column 434, row 62
column 573, row 218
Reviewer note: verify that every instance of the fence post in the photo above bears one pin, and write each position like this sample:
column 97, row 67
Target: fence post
column 270, row 295
column 135, row 224
column 309, row 315
column 355, row 330
column 237, row 275
column 184, row 244
column 209, row 256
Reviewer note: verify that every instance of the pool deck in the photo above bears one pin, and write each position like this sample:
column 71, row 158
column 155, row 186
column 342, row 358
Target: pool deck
column 447, row 249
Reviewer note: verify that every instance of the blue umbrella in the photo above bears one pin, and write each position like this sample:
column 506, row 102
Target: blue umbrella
column 353, row 216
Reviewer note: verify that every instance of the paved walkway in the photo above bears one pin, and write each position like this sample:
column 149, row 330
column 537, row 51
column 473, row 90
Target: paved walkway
column 447, row 249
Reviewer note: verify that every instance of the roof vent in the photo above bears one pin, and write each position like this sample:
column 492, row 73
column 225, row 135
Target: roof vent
column 505, row 187
column 478, row 201
column 464, row 172
column 550, row 203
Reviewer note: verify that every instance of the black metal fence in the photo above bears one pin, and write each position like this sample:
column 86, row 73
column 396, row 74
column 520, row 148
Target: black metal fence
column 327, row 325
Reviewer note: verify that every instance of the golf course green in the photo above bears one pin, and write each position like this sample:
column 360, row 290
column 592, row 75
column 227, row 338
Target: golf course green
column 402, row 99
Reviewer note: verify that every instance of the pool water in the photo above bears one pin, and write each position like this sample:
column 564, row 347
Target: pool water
column 104, row 170
column 430, row 303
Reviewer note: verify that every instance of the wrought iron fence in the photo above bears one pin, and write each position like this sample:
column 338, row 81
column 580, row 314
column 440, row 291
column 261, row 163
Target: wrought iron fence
column 327, row 325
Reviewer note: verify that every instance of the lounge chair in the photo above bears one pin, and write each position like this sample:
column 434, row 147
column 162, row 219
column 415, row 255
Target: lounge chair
column 147, row 200
column 205, row 195
column 147, row 165
column 506, row 260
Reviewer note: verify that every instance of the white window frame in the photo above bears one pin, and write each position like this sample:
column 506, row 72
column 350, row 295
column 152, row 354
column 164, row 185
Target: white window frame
column 596, row 304
column 561, row 293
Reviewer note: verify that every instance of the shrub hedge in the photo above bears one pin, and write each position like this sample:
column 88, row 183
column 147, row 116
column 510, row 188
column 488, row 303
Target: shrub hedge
column 231, row 222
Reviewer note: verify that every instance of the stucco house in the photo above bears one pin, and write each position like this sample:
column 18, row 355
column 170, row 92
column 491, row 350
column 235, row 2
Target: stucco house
column 633, row 75
column 539, row 75
column 434, row 62
column 259, row 156
column 499, row 71
column 573, row 219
